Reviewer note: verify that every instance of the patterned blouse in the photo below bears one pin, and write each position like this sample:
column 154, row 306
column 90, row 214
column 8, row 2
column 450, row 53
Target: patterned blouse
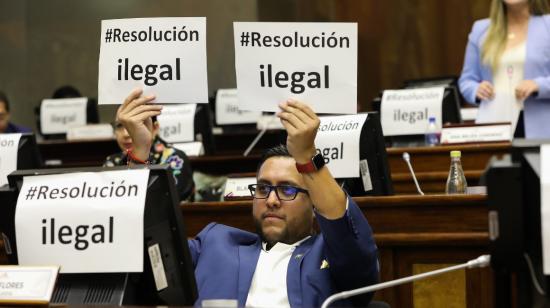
column 162, row 153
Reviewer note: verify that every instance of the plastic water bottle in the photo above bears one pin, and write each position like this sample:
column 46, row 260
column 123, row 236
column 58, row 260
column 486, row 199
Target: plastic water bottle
column 456, row 182
column 432, row 135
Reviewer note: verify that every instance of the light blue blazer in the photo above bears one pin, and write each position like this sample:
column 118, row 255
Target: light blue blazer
column 225, row 259
column 537, row 68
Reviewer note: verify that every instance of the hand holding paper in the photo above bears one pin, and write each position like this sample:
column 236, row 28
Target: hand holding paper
column 485, row 91
column 135, row 114
column 301, row 124
column 526, row 88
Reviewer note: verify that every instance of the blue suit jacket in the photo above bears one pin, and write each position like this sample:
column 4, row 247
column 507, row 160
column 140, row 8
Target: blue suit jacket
column 537, row 68
column 225, row 259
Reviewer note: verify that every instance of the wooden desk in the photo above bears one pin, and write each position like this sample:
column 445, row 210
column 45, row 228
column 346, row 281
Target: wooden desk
column 431, row 164
column 77, row 153
column 413, row 233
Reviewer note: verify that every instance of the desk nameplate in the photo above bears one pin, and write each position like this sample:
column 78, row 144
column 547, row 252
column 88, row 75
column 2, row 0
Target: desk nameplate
column 27, row 284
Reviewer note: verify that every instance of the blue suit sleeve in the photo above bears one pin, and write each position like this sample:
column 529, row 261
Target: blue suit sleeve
column 544, row 87
column 470, row 78
column 350, row 250
column 195, row 245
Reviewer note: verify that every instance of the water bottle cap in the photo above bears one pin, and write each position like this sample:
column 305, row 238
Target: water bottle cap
column 455, row 154
column 431, row 119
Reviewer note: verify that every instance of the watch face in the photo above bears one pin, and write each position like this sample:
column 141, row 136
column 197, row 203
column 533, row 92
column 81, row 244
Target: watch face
column 318, row 161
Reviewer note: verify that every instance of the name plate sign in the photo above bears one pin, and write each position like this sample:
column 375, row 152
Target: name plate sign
column 228, row 110
column 75, row 219
column 406, row 112
column 90, row 132
column 9, row 145
column 177, row 123
column 238, row 187
column 164, row 56
column 476, row 133
column 312, row 62
column 338, row 140
column 58, row 115
column 190, row 148
column 27, row 284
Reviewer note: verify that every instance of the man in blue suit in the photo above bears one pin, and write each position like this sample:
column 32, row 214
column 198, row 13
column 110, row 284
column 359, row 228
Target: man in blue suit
column 285, row 263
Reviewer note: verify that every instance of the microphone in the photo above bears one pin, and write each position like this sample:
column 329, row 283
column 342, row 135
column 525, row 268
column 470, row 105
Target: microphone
column 481, row 261
column 407, row 159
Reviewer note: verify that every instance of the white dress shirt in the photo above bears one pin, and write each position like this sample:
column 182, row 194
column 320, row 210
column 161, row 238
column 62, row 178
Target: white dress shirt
column 268, row 287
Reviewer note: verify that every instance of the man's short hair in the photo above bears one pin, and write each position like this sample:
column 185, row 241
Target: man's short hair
column 276, row 151
column 4, row 98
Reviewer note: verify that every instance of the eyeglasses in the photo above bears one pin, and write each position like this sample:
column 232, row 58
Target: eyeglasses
column 283, row 192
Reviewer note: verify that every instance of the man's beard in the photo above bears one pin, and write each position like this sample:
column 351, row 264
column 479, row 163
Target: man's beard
column 282, row 237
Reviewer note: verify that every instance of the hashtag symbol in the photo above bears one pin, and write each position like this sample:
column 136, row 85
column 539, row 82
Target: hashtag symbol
column 31, row 192
column 108, row 35
column 245, row 38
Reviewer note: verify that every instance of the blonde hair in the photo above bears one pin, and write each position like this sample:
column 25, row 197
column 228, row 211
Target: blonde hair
column 495, row 42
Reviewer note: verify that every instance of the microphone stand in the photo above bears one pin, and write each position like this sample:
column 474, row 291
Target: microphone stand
column 481, row 261
column 407, row 159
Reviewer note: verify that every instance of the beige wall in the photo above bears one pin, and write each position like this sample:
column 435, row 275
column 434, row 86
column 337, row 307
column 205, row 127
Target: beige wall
column 46, row 44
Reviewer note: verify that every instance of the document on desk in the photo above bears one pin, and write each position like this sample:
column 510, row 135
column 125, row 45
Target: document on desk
column 545, row 205
column 504, row 107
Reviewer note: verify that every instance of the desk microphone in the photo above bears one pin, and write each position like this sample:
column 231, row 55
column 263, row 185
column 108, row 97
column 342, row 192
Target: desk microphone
column 481, row 261
column 407, row 159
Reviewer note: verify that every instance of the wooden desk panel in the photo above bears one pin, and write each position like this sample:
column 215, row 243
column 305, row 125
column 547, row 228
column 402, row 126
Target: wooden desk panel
column 431, row 164
column 78, row 153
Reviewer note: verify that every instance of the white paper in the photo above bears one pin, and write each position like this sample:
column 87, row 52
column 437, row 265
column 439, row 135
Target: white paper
column 91, row 131
column 9, row 145
column 545, row 205
column 64, row 201
column 190, row 148
column 180, row 75
column 338, row 140
column 58, row 115
column 228, row 110
column 177, row 123
column 406, row 112
column 329, row 74
column 503, row 108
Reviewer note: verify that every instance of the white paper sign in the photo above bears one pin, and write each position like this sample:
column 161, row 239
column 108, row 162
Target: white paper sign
column 9, row 144
column 406, row 112
column 58, row 115
column 177, row 123
column 190, row 148
column 545, row 205
column 83, row 222
column 313, row 62
column 91, row 131
column 164, row 56
column 503, row 108
column 228, row 110
column 26, row 284
column 338, row 140
column 238, row 187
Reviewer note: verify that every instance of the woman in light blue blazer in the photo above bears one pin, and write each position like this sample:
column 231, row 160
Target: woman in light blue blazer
column 516, row 35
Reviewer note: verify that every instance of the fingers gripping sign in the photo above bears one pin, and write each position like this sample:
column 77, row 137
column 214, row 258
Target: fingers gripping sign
column 135, row 114
column 301, row 124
